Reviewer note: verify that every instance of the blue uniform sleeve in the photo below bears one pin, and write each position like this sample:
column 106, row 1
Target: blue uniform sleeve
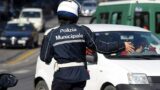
column 101, row 46
column 46, row 52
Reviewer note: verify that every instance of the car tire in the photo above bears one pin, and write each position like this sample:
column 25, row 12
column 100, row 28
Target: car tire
column 41, row 85
column 109, row 87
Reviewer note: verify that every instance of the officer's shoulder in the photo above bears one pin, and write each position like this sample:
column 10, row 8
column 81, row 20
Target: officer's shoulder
column 49, row 30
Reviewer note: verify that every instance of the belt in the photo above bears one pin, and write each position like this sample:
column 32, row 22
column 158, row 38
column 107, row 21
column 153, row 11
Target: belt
column 71, row 64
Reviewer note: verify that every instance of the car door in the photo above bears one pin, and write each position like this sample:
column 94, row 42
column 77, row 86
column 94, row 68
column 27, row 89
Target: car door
column 91, row 57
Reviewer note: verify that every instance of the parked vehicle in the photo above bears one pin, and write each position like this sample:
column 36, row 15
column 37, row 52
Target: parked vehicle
column 142, row 13
column 132, row 71
column 88, row 8
column 19, row 34
column 33, row 15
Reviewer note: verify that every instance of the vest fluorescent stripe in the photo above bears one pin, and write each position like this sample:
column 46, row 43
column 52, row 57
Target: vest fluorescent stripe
column 69, row 41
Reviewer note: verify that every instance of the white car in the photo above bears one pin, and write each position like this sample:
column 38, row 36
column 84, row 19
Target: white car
column 115, row 71
column 88, row 8
column 33, row 15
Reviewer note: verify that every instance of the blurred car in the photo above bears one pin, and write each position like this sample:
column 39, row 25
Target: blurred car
column 88, row 8
column 19, row 34
column 135, row 71
column 33, row 15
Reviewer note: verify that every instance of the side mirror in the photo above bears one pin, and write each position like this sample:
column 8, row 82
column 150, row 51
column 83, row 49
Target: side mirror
column 91, row 56
column 7, row 80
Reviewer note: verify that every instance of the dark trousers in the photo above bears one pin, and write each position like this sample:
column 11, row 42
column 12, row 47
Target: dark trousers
column 60, row 85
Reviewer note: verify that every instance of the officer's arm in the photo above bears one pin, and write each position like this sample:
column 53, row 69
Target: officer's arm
column 46, row 52
column 101, row 46
column 110, row 47
column 89, row 38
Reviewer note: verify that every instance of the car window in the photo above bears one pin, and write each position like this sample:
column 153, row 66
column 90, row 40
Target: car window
column 104, row 17
column 141, row 19
column 145, row 43
column 31, row 14
column 157, row 19
column 116, row 18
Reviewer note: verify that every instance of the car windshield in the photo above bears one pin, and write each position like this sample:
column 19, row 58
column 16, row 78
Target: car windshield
column 18, row 27
column 146, row 44
column 31, row 14
column 89, row 4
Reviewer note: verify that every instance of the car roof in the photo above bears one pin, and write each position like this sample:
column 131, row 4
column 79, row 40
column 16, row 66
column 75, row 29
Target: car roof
column 32, row 9
column 107, row 27
column 128, row 2
column 113, row 27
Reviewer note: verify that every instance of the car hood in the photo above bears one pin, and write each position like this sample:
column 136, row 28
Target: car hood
column 17, row 33
column 149, row 67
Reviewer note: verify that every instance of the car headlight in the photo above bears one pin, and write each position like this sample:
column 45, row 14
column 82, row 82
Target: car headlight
column 3, row 38
column 25, row 38
column 137, row 78
column 86, row 11
column 83, row 10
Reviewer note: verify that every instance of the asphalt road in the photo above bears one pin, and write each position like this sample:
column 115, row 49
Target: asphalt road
column 22, row 62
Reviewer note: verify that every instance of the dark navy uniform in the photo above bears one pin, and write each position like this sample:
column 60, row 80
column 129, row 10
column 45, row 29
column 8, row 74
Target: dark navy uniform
column 68, row 43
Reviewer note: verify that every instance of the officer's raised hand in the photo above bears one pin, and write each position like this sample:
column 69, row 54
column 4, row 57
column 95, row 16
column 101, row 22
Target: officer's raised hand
column 129, row 47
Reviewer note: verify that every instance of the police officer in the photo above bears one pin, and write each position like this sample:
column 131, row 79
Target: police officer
column 67, row 45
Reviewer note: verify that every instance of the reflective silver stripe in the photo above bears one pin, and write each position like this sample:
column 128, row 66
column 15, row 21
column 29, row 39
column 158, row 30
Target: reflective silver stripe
column 68, row 41
column 71, row 64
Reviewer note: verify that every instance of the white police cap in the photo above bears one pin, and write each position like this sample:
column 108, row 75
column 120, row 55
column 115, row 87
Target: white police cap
column 70, row 6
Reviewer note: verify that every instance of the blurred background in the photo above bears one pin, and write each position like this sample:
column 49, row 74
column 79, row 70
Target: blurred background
column 12, row 8
column 21, row 61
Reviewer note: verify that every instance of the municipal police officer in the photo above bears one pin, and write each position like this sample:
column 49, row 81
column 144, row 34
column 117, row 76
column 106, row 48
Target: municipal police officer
column 67, row 45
